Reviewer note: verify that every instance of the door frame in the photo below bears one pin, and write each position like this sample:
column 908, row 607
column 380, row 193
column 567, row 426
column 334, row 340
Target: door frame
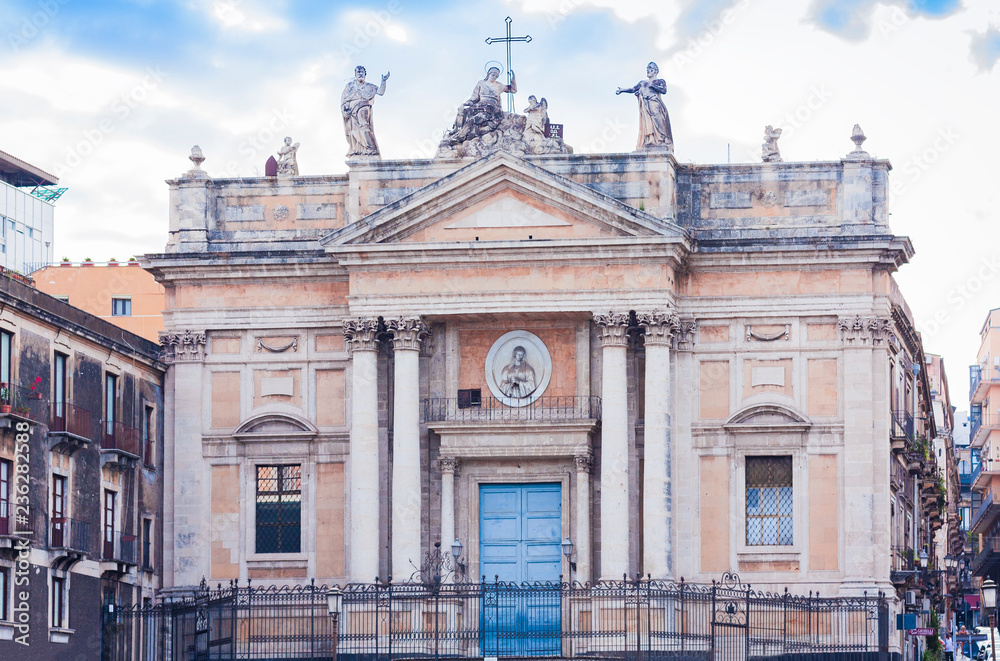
column 467, row 518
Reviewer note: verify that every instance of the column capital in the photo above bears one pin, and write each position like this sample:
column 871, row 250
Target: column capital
column 684, row 335
column 182, row 347
column 858, row 330
column 659, row 328
column 407, row 334
column 448, row 465
column 584, row 463
column 361, row 334
column 614, row 328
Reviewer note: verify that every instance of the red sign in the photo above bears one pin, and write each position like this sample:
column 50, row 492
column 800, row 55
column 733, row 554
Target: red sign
column 920, row 632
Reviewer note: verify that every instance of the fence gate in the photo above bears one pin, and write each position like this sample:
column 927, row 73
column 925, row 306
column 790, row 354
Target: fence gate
column 730, row 619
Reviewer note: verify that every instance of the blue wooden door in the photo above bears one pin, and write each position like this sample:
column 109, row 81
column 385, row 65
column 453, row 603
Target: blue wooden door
column 519, row 528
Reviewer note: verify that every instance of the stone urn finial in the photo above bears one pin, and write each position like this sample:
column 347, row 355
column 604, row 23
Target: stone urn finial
column 196, row 157
column 858, row 137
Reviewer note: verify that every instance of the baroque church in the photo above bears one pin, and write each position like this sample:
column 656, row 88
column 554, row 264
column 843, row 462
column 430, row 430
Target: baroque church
column 566, row 366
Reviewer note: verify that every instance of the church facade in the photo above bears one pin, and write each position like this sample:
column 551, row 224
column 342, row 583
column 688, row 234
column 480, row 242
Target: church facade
column 578, row 366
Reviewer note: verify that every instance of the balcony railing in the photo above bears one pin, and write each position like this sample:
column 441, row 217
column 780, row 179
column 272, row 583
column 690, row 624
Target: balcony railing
column 71, row 534
column 73, row 420
column 22, row 401
column 989, row 555
column 13, row 526
column 982, row 510
column 981, row 430
column 441, row 409
column 902, row 425
column 981, row 377
column 118, row 547
column 121, row 438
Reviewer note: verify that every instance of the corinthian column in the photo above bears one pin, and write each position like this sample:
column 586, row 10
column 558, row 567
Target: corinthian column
column 657, row 514
column 363, row 477
column 406, row 337
column 614, row 446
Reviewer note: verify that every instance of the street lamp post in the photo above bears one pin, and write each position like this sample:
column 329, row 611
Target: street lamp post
column 988, row 591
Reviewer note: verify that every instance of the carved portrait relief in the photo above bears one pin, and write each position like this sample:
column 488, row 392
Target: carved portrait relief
column 518, row 368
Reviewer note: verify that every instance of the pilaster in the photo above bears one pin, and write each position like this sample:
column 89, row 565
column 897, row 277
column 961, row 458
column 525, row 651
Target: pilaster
column 185, row 498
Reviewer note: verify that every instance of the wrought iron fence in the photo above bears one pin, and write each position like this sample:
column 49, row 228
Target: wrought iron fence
column 438, row 409
column 234, row 622
column 628, row 619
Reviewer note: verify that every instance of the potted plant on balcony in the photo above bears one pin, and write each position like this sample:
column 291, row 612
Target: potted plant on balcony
column 65, row 262
column 22, row 410
column 4, row 398
column 33, row 389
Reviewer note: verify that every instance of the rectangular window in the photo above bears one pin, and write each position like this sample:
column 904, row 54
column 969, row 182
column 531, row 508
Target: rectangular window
column 6, row 482
column 769, row 501
column 121, row 307
column 58, row 602
column 4, row 594
column 59, row 391
column 108, row 527
column 148, row 441
column 279, row 508
column 147, row 543
column 58, row 511
column 6, row 343
column 110, row 401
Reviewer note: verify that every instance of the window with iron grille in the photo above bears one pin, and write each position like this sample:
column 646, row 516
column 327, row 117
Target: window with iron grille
column 279, row 509
column 769, row 501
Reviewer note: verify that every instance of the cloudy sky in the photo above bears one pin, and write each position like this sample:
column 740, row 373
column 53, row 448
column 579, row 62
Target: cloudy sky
column 111, row 95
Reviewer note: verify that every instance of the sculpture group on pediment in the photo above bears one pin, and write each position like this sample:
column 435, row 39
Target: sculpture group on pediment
column 482, row 127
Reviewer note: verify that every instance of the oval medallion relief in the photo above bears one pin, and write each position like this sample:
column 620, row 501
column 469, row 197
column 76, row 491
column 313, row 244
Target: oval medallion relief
column 518, row 368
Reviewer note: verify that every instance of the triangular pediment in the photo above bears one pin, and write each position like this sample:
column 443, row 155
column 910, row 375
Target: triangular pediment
column 501, row 198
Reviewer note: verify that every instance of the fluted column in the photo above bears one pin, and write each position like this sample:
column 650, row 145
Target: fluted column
column 407, row 335
column 657, row 507
column 615, row 535
column 449, row 467
column 363, row 477
column 584, row 535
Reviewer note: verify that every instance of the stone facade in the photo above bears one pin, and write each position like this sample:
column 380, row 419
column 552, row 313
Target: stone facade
column 699, row 321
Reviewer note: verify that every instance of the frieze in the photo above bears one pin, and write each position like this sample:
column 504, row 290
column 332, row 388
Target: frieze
column 176, row 347
column 262, row 346
column 763, row 336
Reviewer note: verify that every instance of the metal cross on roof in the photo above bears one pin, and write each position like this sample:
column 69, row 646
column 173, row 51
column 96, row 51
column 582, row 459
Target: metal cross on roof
column 508, row 40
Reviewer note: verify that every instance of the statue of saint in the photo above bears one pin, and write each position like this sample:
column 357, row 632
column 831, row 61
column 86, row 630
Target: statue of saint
column 769, row 150
column 537, row 113
column 654, row 122
column 517, row 379
column 356, row 106
column 482, row 113
column 287, row 165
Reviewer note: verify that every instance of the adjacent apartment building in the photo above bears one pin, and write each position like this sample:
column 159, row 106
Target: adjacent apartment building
column 81, row 474
column 122, row 293
column 984, row 441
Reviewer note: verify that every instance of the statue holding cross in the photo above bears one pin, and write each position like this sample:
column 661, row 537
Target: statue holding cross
column 510, row 72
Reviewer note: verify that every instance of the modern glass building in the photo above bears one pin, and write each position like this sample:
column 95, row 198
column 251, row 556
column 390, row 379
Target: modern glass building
column 27, row 197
